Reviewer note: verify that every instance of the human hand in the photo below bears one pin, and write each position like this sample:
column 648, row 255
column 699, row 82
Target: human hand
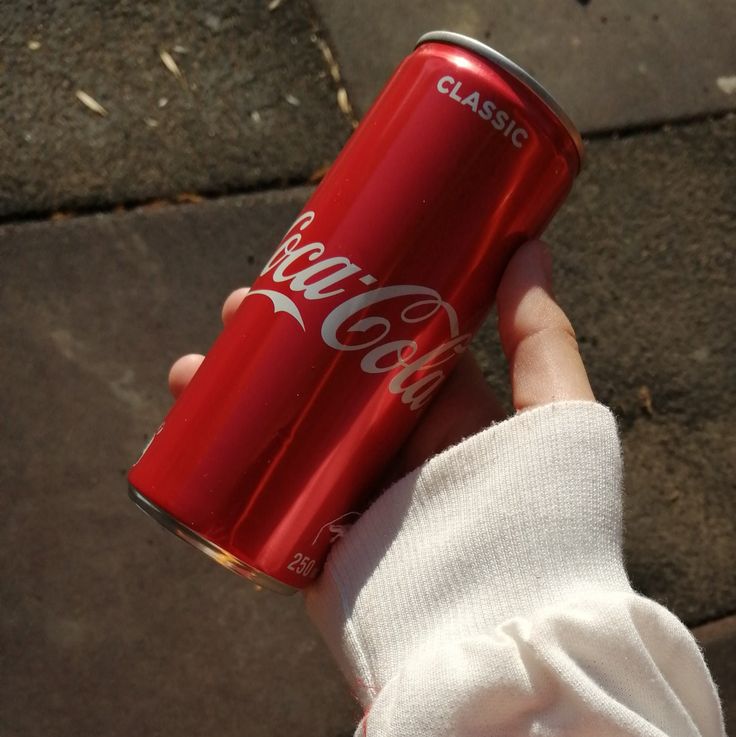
column 537, row 339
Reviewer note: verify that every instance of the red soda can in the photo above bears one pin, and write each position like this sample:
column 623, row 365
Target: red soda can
column 275, row 447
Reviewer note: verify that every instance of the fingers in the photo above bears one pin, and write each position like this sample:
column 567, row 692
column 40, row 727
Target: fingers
column 182, row 371
column 537, row 338
column 463, row 406
column 232, row 303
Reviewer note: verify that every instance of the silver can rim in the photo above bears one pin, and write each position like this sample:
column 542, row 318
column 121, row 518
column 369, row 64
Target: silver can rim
column 210, row 549
column 458, row 39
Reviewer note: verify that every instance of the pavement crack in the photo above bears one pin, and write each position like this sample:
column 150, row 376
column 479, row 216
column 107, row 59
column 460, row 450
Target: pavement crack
column 189, row 199
column 655, row 126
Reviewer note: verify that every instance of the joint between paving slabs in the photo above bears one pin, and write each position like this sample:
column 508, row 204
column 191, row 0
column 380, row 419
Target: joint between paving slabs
column 183, row 198
column 656, row 126
column 319, row 38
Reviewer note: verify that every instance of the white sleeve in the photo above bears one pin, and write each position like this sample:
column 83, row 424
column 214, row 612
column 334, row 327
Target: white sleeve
column 485, row 594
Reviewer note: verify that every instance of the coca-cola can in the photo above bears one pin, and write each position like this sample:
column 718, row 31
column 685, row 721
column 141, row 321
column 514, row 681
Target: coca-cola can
column 278, row 442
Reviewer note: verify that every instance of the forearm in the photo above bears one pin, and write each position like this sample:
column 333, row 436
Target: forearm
column 486, row 594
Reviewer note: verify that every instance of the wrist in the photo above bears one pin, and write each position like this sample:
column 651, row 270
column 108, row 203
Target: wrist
column 518, row 517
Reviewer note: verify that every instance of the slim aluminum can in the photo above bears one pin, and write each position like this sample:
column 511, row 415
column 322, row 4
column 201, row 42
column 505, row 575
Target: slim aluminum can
column 276, row 446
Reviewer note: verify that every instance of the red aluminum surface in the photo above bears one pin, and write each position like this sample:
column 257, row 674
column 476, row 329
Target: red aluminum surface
column 278, row 441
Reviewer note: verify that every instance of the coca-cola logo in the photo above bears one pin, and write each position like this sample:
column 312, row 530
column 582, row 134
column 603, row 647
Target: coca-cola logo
column 304, row 270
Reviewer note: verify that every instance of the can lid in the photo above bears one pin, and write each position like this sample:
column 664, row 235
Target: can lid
column 524, row 77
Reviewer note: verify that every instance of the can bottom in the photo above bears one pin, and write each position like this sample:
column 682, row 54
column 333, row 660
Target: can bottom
column 260, row 579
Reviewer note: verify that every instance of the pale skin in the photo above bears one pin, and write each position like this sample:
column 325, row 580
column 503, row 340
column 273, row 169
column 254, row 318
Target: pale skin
column 540, row 347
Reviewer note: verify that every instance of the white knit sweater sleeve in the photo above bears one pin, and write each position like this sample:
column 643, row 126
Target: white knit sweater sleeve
column 485, row 594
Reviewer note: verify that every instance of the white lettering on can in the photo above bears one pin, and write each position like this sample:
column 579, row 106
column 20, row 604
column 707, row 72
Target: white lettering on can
column 352, row 325
column 487, row 110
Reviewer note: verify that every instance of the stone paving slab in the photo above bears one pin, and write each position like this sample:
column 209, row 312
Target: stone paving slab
column 112, row 626
column 718, row 641
column 644, row 266
column 255, row 104
column 610, row 64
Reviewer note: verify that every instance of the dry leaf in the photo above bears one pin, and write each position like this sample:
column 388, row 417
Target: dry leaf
column 153, row 204
column 189, row 198
column 343, row 103
column 329, row 58
column 292, row 100
column 727, row 84
column 89, row 102
column 318, row 174
column 170, row 64
column 273, row 5
column 645, row 400
column 34, row 45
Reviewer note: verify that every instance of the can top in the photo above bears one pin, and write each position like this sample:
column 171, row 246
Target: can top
column 524, row 77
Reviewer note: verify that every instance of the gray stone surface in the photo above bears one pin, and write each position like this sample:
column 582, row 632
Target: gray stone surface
column 718, row 642
column 255, row 106
column 109, row 625
column 645, row 267
column 611, row 64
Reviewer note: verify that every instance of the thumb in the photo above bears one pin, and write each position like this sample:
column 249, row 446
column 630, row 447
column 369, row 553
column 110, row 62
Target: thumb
column 539, row 342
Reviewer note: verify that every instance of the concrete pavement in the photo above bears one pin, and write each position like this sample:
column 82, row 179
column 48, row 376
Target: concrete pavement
column 247, row 101
column 112, row 625
column 611, row 64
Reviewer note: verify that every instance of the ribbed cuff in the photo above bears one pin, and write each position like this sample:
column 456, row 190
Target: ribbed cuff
column 521, row 516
